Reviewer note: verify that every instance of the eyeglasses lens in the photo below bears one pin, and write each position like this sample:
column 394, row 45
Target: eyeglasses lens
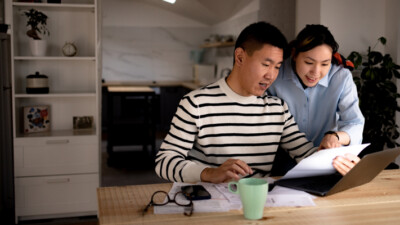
column 160, row 198
column 181, row 200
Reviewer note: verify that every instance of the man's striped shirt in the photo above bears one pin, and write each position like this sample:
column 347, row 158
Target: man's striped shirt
column 213, row 124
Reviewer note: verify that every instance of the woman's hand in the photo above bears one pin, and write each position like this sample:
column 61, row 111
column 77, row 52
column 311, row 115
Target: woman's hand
column 343, row 164
column 329, row 141
column 334, row 140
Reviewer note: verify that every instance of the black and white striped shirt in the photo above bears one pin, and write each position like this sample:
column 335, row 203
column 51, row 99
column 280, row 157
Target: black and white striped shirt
column 213, row 124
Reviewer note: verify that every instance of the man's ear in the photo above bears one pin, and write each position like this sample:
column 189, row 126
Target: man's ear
column 239, row 55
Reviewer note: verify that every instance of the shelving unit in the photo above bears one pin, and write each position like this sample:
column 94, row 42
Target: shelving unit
column 57, row 171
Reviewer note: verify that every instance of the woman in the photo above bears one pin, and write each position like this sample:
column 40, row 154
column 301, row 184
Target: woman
column 321, row 95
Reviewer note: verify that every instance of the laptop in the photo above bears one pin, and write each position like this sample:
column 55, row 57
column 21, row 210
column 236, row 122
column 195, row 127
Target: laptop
column 363, row 172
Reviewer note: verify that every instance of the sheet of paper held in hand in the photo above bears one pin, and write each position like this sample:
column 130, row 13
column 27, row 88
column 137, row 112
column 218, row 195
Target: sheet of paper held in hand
column 222, row 200
column 320, row 163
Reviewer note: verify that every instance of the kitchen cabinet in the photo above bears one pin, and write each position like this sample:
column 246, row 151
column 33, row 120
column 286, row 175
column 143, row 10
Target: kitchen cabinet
column 56, row 172
column 164, row 103
column 169, row 101
column 131, row 118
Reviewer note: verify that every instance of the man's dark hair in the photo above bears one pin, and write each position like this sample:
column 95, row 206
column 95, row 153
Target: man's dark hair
column 256, row 35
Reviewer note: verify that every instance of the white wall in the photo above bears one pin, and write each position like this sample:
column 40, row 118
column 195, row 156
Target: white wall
column 145, row 43
column 127, row 13
column 355, row 24
column 307, row 12
column 392, row 28
column 281, row 13
column 233, row 26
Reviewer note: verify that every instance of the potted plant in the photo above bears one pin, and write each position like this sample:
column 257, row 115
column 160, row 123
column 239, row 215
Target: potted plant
column 37, row 22
column 378, row 95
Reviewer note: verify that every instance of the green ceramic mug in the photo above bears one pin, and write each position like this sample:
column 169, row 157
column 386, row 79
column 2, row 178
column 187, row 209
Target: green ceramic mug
column 253, row 194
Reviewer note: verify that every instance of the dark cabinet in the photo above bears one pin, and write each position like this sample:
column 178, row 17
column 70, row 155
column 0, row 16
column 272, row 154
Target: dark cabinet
column 137, row 117
column 169, row 100
column 131, row 118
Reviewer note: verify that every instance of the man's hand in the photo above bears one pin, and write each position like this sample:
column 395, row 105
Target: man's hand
column 344, row 164
column 229, row 170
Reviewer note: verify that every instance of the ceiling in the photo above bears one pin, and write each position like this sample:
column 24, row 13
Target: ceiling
column 205, row 11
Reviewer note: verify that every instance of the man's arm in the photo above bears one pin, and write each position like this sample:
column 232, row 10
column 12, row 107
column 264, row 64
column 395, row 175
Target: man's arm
column 171, row 160
column 229, row 170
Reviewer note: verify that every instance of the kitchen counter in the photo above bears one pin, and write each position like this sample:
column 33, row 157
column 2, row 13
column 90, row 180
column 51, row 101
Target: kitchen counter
column 167, row 97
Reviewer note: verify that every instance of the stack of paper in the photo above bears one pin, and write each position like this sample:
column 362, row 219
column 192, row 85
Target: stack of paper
column 223, row 200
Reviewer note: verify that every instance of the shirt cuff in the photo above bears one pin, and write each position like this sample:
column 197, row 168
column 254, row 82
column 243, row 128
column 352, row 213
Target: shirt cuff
column 355, row 133
column 191, row 173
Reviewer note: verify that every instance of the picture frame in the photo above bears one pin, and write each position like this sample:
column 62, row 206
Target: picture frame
column 36, row 118
column 82, row 122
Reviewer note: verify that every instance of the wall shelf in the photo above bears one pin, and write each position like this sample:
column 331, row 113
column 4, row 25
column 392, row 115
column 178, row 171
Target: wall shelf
column 57, row 133
column 52, row 5
column 218, row 44
column 59, row 58
column 56, row 95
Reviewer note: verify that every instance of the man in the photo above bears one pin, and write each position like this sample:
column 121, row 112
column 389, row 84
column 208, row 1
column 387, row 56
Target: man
column 231, row 128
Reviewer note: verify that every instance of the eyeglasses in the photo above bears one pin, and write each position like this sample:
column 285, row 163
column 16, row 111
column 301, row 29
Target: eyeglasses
column 160, row 198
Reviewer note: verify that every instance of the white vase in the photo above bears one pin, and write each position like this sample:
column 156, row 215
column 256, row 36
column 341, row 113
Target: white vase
column 38, row 47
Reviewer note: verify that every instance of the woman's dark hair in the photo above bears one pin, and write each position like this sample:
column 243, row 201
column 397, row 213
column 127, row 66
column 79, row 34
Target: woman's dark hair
column 312, row 36
column 254, row 36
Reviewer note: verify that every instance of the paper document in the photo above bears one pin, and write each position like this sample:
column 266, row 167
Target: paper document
column 223, row 200
column 278, row 197
column 320, row 163
column 282, row 197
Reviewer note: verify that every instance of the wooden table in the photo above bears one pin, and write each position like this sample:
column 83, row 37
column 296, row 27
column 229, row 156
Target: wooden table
column 377, row 202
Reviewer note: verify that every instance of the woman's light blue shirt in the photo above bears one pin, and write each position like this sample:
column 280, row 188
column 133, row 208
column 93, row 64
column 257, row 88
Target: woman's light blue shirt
column 331, row 105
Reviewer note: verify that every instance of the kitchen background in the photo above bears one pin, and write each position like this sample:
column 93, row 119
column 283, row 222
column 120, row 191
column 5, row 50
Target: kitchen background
column 150, row 40
column 146, row 40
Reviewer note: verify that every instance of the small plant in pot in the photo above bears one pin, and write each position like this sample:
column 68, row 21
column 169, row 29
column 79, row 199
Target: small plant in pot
column 37, row 22
column 378, row 96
